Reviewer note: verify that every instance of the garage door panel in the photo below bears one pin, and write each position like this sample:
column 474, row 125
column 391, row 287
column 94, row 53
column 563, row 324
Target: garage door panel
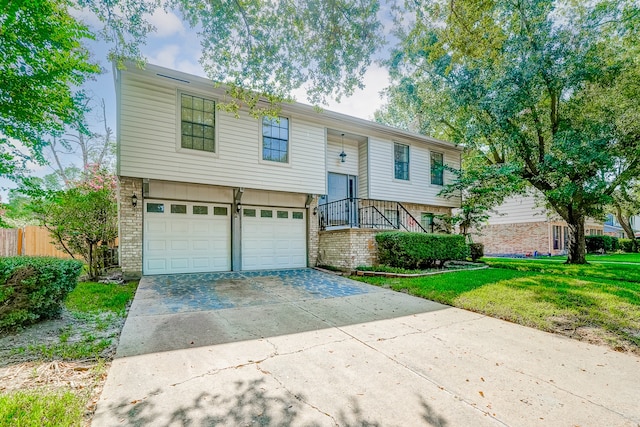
column 186, row 242
column 278, row 241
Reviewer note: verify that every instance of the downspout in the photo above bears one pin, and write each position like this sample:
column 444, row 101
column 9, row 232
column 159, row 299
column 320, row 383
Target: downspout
column 549, row 236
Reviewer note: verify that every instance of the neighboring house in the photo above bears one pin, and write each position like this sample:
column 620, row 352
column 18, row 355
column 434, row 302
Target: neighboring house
column 613, row 228
column 202, row 190
column 522, row 226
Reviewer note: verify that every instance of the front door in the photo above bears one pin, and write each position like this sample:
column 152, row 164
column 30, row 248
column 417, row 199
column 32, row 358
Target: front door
column 341, row 204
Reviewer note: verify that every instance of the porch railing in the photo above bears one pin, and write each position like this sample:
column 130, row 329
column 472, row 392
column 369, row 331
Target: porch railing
column 367, row 213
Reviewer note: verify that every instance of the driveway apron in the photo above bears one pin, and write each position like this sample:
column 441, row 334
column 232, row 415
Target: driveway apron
column 305, row 348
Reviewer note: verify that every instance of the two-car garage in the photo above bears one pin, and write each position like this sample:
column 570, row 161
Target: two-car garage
column 193, row 237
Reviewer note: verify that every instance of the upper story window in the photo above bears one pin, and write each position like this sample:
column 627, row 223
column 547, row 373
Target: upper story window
column 197, row 122
column 437, row 170
column 275, row 139
column 401, row 161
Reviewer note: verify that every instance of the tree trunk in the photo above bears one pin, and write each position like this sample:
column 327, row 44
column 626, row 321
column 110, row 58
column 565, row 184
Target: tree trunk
column 577, row 242
column 625, row 224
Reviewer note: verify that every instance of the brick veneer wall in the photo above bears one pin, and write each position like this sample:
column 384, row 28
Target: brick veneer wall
column 348, row 248
column 130, row 226
column 312, row 232
column 522, row 238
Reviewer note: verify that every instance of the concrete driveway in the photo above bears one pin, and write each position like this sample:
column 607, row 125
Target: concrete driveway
column 304, row 348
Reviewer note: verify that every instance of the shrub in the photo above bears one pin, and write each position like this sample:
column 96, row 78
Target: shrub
column 476, row 250
column 615, row 244
column 33, row 288
column 419, row 250
column 628, row 245
column 599, row 244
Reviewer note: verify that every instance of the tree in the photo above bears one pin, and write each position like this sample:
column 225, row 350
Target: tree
column 548, row 88
column 92, row 149
column 261, row 49
column 626, row 204
column 83, row 219
column 41, row 62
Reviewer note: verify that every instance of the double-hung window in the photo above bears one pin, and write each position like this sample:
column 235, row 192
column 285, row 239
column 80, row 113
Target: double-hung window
column 437, row 170
column 197, row 123
column 401, row 161
column 275, row 139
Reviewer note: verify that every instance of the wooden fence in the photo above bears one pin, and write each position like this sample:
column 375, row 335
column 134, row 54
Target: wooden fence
column 30, row 240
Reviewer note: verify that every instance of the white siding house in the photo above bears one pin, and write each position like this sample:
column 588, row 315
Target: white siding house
column 214, row 191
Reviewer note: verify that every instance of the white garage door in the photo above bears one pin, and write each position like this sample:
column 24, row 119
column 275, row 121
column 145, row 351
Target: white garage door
column 186, row 237
column 273, row 238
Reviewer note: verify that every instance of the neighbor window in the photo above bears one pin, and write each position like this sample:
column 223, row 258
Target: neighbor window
column 275, row 139
column 197, row 116
column 557, row 231
column 401, row 161
column 437, row 171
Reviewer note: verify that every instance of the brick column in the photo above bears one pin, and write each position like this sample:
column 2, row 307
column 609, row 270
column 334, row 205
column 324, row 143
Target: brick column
column 313, row 233
column 130, row 226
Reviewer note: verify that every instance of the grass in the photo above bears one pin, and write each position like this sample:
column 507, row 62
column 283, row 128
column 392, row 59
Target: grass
column 549, row 296
column 91, row 297
column 615, row 257
column 625, row 272
column 41, row 408
column 95, row 308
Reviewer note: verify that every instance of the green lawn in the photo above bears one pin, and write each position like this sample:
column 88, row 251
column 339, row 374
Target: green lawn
column 41, row 408
column 625, row 257
column 91, row 297
column 548, row 296
column 626, row 272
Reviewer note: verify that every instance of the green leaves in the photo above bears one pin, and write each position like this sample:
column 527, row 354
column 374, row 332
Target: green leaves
column 548, row 88
column 41, row 61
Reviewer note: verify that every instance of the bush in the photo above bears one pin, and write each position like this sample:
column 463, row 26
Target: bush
column 419, row 250
column 33, row 288
column 628, row 245
column 615, row 244
column 599, row 244
column 476, row 250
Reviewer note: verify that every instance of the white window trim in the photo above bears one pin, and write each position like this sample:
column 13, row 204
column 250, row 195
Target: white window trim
column 190, row 151
column 286, row 164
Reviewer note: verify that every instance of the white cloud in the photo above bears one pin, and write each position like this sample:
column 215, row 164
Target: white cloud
column 364, row 102
column 167, row 24
column 173, row 56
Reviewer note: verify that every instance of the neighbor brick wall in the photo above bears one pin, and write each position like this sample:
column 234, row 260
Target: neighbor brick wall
column 130, row 226
column 348, row 248
column 522, row 238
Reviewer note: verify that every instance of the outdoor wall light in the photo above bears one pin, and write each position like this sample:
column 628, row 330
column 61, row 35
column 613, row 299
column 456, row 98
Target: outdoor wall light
column 342, row 155
column 134, row 200
column 315, row 211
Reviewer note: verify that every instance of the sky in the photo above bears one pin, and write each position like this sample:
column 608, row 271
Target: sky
column 174, row 45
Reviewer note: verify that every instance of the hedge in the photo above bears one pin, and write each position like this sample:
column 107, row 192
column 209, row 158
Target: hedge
column 601, row 244
column 33, row 288
column 628, row 245
column 419, row 250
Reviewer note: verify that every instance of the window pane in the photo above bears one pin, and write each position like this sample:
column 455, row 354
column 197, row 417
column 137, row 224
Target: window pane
column 298, row 215
column 198, row 120
column 266, row 214
column 249, row 212
column 155, row 207
column 283, row 214
column 401, row 161
column 179, row 209
column 201, row 210
column 219, row 210
column 275, row 139
column 437, row 172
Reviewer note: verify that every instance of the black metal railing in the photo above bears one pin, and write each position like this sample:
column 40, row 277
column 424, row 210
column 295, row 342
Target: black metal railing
column 367, row 213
